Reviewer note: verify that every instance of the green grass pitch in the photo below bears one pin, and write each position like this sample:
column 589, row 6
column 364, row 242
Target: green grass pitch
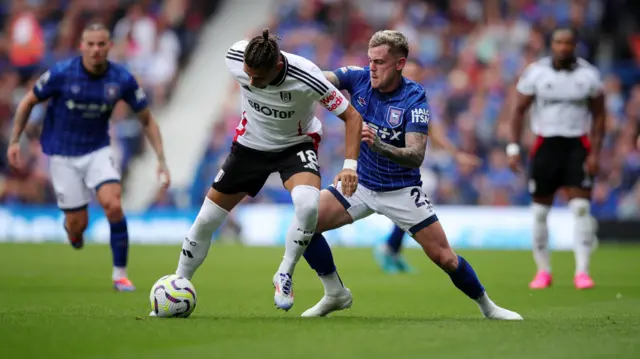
column 58, row 303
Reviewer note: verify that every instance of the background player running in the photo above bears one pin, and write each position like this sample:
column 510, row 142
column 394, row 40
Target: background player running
column 394, row 138
column 388, row 255
column 277, row 133
column 82, row 93
column 567, row 98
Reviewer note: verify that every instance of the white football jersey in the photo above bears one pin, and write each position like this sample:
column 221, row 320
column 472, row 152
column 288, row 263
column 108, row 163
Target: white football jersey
column 561, row 104
column 282, row 115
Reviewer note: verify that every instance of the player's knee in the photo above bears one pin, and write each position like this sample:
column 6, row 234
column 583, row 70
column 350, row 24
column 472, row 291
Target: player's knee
column 306, row 200
column 76, row 222
column 580, row 207
column 447, row 260
column 113, row 209
column 540, row 212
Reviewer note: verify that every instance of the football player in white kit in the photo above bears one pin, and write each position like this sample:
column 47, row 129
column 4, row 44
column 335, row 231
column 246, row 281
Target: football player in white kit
column 278, row 132
column 567, row 117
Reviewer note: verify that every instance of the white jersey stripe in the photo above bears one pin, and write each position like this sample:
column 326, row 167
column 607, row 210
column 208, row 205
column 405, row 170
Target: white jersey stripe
column 306, row 82
column 306, row 75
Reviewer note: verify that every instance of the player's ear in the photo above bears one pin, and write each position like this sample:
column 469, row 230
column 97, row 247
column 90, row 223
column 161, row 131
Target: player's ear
column 279, row 66
column 401, row 63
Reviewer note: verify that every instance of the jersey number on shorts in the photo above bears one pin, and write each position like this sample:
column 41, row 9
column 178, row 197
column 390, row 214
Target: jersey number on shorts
column 309, row 157
column 415, row 193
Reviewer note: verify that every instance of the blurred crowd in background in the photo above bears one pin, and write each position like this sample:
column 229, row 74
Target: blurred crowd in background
column 469, row 55
column 152, row 37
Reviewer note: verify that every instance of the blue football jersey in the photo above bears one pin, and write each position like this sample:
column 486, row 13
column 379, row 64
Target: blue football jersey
column 80, row 105
column 392, row 115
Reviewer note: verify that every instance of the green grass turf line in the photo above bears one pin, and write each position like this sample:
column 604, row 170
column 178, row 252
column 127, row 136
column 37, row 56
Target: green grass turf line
column 56, row 302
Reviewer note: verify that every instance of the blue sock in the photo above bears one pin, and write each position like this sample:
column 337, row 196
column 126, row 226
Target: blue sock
column 394, row 242
column 466, row 279
column 119, row 242
column 319, row 256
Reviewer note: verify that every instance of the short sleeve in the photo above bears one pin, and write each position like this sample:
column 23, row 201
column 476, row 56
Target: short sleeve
column 526, row 83
column 234, row 59
column 596, row 88
column 348, row 77
column 418, row 116
column 322, row 90
column 49, row 84
column 134, row 95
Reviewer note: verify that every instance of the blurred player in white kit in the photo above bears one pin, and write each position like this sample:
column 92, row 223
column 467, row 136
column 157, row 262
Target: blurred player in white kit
column 565, row 95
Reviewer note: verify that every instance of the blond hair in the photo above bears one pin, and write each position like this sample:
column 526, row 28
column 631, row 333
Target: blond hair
column 397, row 42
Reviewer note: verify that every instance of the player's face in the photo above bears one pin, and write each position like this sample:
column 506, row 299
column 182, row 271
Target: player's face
column 385, row 67
column 261, row 78
column 563, row 45
column 95, row 47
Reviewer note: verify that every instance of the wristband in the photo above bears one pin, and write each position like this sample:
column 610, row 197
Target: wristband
column 513, row 149
column 350, row 164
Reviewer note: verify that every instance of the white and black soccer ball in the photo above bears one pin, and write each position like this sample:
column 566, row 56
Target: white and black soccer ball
column 173, row 296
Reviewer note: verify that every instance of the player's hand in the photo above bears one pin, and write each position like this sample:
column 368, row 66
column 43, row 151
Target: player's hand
column 468, row 159
column 163, row 175
column 13, row 155
column 591, row 165
column 369, row 136
column 349, row 179
column 515, row 164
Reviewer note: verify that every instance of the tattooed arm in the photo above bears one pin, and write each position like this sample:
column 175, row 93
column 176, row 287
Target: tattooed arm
column 410, row 156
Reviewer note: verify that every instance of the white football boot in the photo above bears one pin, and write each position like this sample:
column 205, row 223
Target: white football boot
column 283, row 296
column 330, row 303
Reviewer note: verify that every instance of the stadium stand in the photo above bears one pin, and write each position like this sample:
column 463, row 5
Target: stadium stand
column 153, row 37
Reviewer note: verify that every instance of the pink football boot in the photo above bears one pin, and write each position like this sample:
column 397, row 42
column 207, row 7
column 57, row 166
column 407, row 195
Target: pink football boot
column 542, row 280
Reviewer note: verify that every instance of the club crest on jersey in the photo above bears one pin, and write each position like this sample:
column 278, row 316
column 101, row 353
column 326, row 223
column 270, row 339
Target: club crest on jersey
column 111, row 91
column 75, row 89
column 394, row 116
column 361, row 101
column 285, row 96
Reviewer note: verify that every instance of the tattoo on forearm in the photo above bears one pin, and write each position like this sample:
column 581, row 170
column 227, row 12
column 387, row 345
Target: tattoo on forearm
column 410, row 156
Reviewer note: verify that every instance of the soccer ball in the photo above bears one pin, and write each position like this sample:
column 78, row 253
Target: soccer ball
column 172, row 296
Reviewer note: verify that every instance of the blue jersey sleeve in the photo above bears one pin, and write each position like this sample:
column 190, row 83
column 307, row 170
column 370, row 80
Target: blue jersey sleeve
column 348, row 77
column 418, row 116
column 134, row 95
column 49, row 84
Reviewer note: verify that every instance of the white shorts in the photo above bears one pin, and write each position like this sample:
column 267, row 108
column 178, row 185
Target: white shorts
column 409, row 208
column 76, row 178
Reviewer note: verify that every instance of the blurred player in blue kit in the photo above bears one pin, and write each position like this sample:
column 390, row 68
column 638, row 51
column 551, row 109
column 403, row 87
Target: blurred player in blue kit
column 82, row 93
column 396, row 116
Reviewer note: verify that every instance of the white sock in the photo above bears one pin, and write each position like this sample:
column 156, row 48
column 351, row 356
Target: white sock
column 583, row 233
column 306, row 200
column 119, row 273
column 195, row 246
column 332, row 284
column 541, row 237
column 485, row 304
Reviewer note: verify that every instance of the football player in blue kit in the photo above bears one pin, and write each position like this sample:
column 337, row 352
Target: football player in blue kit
column 82, row 93
column 388, row 254
column 397, row 117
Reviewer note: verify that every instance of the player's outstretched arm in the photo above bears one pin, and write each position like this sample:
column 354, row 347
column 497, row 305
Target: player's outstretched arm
column 410, row 156
column 353, row 137
column 19, row 123
column 152, row 132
